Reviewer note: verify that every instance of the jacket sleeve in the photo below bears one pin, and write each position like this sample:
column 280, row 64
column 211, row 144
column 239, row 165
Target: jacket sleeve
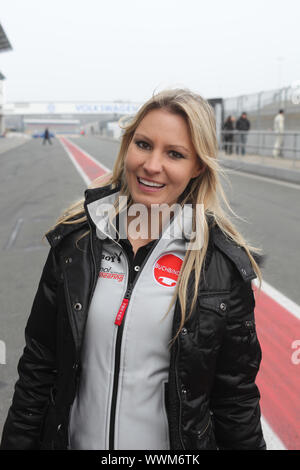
column 36, row 368
column 235, row 396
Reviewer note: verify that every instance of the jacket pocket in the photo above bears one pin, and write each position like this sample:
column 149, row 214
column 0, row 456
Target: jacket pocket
column 204, row 437
column 249, row 328
column 207, row 325
column 245, row 349
column 216, row 302
column 245, row 329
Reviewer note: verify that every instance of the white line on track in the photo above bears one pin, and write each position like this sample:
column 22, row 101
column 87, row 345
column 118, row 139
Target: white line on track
column 272, row 440
column 262, row 178
column 14, row 233
column 280, row 298
column 90, row 156
column 85, row 178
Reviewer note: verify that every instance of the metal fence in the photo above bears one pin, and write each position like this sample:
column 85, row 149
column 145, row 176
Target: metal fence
column 262, row 107
column 258, row 142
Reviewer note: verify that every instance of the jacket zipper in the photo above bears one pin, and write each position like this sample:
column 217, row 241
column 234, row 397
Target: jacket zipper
column 119, row 321
column 119, row 332
column 203, row 431
column 118, row 340
column 117, row 367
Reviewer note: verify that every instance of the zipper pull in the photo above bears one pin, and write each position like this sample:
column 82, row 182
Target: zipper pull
column 124, row 304
column 121, row 312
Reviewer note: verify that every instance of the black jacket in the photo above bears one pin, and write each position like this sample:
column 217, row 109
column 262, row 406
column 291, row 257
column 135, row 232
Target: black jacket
column 243, row 124
column 212, row 399
column 228, row 125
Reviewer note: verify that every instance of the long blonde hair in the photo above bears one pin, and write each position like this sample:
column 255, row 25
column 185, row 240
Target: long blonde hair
column 205, row 189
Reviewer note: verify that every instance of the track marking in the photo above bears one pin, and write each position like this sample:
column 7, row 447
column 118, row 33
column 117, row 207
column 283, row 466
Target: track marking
column 89, row 155
column 272, row 440
column 262, row 178
column 14, row 233
column 87, row 166
column 278, row 326
column 280, row 298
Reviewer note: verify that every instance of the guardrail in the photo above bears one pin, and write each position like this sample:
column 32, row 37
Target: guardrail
column 261, row 143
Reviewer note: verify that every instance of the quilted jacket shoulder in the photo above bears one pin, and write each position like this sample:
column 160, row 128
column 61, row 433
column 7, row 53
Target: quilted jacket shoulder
column 235, row 253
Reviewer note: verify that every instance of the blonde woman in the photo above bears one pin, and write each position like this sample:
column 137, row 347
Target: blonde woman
column 142, row 331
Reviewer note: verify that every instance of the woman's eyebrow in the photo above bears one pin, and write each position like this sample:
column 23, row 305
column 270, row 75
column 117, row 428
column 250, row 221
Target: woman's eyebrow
column 142, row 136
column 180, row 147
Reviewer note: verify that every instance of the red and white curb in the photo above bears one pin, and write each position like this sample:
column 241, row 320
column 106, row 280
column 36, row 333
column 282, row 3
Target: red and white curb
column 86, row 165
column 278, row 329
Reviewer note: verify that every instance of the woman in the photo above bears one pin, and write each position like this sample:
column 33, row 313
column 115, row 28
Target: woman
column 139, row 341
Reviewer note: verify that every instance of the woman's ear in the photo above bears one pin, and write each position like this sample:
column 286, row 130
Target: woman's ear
column 199, row 169
column 202, row 169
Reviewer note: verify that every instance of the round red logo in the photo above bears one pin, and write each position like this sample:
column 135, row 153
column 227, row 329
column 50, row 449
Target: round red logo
column 166, row 270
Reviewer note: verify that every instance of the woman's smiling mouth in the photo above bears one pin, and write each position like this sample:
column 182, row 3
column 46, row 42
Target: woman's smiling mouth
column 149, row 185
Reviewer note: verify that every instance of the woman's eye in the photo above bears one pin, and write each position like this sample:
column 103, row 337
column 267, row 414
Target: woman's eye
column 142, row 144
column 174, row 154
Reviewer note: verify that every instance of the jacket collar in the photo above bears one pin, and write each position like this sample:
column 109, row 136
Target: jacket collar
column 93, row 194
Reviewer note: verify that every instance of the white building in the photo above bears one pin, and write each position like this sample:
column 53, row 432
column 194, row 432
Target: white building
column 4, row 46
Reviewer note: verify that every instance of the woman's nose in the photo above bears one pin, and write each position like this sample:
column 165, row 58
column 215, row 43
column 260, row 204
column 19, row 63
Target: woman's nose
column 153, row 163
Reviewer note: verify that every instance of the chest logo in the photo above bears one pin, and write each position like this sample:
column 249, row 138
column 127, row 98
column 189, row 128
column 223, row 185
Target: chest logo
column 166, row 270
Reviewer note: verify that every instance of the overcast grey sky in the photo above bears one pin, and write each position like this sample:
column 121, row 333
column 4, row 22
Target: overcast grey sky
column 125, row 49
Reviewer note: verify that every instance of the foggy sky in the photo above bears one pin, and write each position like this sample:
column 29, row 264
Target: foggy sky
column 67, row 50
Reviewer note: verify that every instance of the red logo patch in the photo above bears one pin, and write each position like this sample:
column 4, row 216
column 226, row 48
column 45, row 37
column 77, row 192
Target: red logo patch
column 166, row 270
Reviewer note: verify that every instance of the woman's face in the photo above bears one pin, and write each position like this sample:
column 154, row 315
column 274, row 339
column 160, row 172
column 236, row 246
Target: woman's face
column 161, row 159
